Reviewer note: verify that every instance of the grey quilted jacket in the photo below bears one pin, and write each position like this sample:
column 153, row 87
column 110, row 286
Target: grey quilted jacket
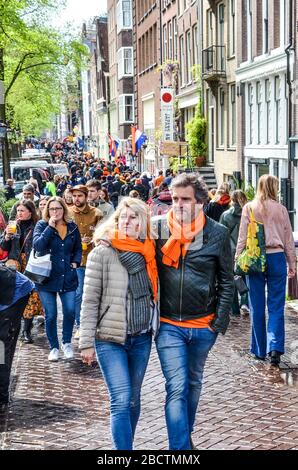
column 105, row 300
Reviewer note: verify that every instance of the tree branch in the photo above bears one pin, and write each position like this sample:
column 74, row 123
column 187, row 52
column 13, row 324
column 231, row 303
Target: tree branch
column 20, row 69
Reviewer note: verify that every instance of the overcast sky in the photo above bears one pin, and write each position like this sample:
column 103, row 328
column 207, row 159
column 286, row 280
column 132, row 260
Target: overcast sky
column 77, row 11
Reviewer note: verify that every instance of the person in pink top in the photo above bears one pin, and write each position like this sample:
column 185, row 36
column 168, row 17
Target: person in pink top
column 280, row 252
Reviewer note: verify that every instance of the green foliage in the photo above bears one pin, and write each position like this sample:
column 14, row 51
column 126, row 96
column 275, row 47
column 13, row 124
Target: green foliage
column 196, row 134
column 37, row 60
column 247, row 188
column 5, row 206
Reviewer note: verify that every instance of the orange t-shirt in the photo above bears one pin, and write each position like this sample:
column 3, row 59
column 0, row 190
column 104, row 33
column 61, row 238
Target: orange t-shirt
column 159, row 180
column 203, row 322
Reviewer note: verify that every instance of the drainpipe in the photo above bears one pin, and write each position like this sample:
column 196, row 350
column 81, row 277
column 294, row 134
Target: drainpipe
column 290, row 187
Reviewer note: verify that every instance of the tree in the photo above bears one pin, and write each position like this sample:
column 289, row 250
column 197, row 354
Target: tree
column 34, row 59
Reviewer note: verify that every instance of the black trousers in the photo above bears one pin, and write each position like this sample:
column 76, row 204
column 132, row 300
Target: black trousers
column 10, row 324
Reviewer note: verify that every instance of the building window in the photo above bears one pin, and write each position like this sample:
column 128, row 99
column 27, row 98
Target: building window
column 233, row 115
column 268, row 105
column 232, row 37
column 125, row 62
column 182, row 60
column 170, row 32
column 259, row 109
column 265, row 27
column 126, row 109
column 249, row 29
column 124, row 15
column 195, row 48
column 221, row 117
column 276, row 168
column 188, row 57
column 165, row 42
column 175, row 30
column 210, row 29
column 250, row 113
column 277, row 108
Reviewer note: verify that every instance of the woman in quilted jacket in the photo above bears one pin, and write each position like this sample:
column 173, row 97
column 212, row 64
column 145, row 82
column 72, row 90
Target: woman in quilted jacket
column 117, row 316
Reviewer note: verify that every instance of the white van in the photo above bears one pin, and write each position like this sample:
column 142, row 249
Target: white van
column 22, row 171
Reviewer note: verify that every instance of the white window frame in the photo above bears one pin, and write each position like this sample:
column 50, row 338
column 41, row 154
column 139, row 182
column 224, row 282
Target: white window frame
column 165, row 41
column 121, row 62
column 182, row 60
column 175, row 36
column 250, row 99
column 259, row 111
column 277, row 103
column 188, row 57
column 265, row 26
column 233, row 117
column 170, row 48
column 221, row 117
column 121, row 11
column 122, row 109
column 249, row 30
column 232, row 28
column 268, row 109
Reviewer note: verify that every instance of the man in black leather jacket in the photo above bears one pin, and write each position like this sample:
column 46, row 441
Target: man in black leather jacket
column 196, row 292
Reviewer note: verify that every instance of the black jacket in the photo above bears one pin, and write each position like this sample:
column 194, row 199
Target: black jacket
column 215, row 210
column 203, row 283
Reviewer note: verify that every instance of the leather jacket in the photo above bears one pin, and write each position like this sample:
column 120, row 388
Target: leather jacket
column 203, row 283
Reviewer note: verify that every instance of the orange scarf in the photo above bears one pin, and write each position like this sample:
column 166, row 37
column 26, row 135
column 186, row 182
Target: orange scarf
column 181, row 237
column 147, row 249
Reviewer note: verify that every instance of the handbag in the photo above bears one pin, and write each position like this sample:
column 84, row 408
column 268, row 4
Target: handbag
column 240, row 285
column 38, row 268
column 253, row 257
column 16, row 263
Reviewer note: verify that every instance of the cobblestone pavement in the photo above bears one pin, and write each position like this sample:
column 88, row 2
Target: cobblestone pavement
column 245, row 404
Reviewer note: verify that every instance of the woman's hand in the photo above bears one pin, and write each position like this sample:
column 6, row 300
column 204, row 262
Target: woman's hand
column 88, row 356
column 9, row 233
column 52, row 222
column 291, row 273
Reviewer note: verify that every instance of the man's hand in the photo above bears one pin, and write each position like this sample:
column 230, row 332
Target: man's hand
column 88, row 356
column 291, row 273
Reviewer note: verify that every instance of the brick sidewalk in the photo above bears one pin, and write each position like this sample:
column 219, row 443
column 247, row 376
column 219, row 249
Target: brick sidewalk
column 245, row 404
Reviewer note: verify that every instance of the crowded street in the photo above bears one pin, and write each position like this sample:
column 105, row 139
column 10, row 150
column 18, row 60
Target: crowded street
column 148, row 230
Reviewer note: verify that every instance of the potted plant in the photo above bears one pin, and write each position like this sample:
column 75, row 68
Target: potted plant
column 196, row 137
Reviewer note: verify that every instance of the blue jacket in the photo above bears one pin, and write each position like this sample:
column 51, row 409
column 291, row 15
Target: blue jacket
column 63, row 252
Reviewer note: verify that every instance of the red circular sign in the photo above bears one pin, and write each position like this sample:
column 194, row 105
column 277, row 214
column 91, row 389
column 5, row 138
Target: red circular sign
column 167, row 97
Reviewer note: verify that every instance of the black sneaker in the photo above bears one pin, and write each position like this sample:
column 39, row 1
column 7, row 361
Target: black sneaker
column 275, row 358
column 26, row 337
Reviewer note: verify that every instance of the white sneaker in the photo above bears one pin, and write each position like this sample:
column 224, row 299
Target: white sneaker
column 67, row 349
column 77, row 334
column 244, row 310
column 54, row 355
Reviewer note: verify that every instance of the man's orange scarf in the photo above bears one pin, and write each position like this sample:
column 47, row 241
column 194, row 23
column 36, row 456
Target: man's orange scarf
column 181, row 237
column 147, row 249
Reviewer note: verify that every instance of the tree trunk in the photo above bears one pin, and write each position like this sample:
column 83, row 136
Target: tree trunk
column 3, row 141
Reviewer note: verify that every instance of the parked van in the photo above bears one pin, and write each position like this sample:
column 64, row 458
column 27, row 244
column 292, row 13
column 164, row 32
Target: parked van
column 22, row 171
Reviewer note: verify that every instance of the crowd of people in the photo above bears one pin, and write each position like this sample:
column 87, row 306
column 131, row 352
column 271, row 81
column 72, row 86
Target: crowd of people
column 117, row 240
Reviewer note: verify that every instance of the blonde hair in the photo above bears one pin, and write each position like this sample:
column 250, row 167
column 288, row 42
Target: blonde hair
column 138, row 207
column 66, row 215
column 224, row 189
column 267, row 188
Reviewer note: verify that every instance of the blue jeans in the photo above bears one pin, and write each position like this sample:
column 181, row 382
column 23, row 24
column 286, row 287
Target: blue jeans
column 275, row 279
column 79, row 293
column 49, row 302
column 123, row 368
column 182, row 354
